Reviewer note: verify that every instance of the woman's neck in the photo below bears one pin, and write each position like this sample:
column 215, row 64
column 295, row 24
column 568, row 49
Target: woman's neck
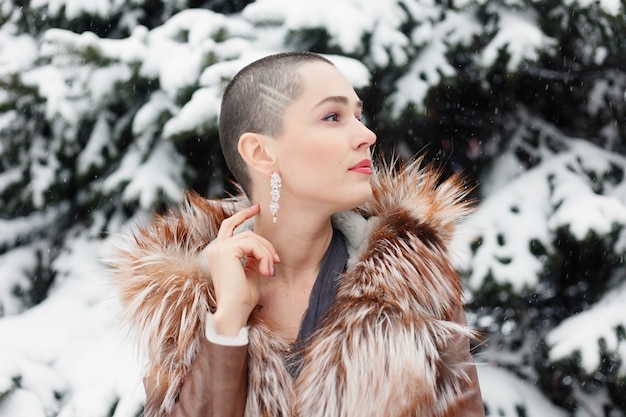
column 300, row 243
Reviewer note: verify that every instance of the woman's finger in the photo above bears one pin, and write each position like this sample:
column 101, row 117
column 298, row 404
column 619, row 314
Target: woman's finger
column 228, row 226
column 259, row 250
column 244, row 246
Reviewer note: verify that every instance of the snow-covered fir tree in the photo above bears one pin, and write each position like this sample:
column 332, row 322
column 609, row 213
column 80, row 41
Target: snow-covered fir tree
column 108, row 112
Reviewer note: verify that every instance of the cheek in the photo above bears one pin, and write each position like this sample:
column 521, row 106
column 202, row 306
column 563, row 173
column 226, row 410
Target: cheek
column 321, row 158
column 314, row 157
column 321, row 155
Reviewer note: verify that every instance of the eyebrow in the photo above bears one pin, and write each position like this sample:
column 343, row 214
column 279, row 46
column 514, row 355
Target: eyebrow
column 338, row 99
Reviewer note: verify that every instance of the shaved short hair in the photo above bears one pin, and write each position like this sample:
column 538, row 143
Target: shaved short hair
column 254, row 102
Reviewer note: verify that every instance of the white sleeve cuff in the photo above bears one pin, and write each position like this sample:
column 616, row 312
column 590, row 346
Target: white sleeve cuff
column 211, row 334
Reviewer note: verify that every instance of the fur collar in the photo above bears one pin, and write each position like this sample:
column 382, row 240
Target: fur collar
column 385, row 343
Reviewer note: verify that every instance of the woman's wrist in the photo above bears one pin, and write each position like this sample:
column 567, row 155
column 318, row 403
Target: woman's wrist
column 229, row 323
column 241, row 339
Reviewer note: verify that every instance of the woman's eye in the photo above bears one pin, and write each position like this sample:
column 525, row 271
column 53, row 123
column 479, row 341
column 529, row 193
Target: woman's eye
column 333, row 117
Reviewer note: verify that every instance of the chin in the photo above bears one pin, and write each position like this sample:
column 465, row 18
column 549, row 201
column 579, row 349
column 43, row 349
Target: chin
column 361, row 199
column 348, row 199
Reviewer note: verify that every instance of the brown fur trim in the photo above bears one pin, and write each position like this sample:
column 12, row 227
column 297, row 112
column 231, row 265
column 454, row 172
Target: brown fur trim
column 383, row 347
column 166, row 293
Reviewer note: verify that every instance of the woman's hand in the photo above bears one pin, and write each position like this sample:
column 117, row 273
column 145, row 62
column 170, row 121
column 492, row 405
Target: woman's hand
column 236, row 263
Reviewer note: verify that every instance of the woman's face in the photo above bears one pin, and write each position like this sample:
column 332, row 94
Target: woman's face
column 324, row 150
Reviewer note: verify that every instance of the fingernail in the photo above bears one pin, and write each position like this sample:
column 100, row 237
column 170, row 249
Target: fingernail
column 276, row 258
column 273, row 271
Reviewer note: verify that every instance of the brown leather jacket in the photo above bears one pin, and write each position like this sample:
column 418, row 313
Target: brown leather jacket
column 216, row 385
column 394, row 342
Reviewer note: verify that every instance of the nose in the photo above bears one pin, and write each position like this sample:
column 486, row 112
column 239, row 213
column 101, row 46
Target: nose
column 363, row 136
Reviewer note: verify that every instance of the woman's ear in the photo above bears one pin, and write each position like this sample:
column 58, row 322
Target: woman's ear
column 256, row 150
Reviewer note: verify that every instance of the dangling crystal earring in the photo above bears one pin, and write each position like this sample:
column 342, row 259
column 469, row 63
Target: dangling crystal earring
column 275, row 183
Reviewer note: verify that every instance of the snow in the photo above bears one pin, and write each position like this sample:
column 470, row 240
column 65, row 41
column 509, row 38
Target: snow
column 220, row 73
column 54, row 89
column 521, row 38
column 56, row 41
column 348, row 23
column 157, row 174
column 67, row 351
column 19, row 227
column 22, row 403
column 103, row 80
column 130, row 50
column 181, row 68
column 354, row 71
column 99, row 141
column 177, row 51
column 502, row 223
column 524, row 205
column 582, row 210
column 432, row 65
column 201, row 110
column 17, row 53
column 424, row 73
column 72, row 9
column 144, row 178
column 613, row 7
column 9, row 177
column 43, row 171
column 149, row 114
column 503, row 393
column 580, row 333
column 533, row 205
column 72, row 355
column 611, row 85
column 16, row 267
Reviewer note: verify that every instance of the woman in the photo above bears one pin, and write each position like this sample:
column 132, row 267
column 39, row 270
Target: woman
column 325, row 291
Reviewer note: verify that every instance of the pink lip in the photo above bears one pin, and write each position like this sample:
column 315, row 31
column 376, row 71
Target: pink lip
column 363, row 167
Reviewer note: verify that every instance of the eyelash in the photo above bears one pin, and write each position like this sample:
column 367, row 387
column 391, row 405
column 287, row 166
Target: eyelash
column 334, row 117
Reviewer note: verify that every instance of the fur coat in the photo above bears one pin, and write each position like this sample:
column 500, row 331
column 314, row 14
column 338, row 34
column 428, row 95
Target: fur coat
column 389, row 345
